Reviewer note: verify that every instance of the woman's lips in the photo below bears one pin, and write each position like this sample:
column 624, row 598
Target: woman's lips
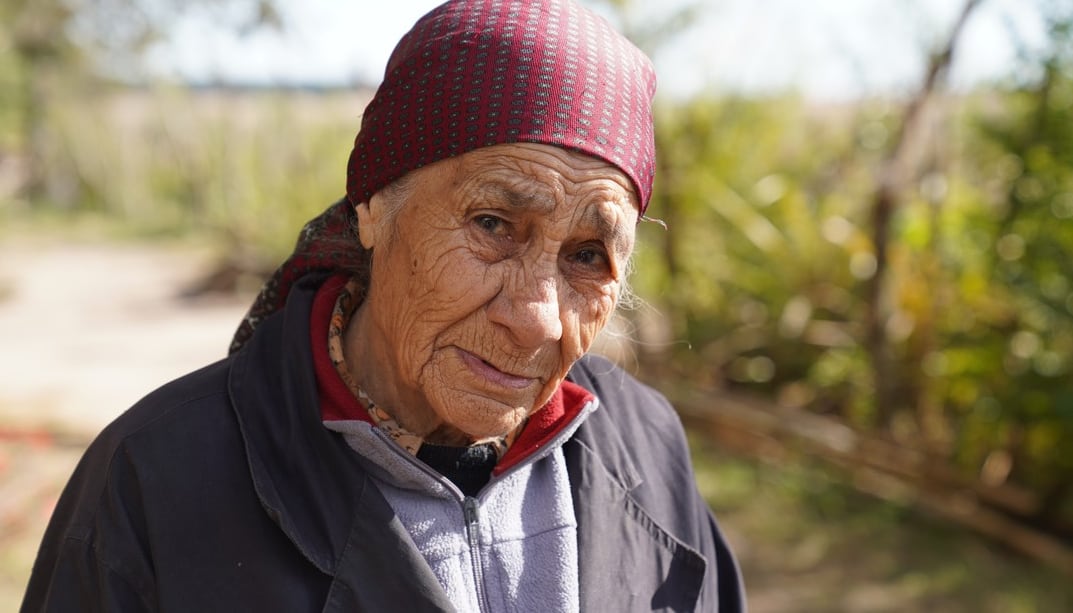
column 487, row 371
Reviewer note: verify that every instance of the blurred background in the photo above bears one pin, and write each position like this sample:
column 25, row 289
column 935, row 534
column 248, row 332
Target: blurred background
column 859, row 292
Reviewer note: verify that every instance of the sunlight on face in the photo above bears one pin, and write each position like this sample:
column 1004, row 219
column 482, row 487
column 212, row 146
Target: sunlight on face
column 496, row 275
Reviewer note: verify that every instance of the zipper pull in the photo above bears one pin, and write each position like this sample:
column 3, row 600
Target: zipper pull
column 471, row 510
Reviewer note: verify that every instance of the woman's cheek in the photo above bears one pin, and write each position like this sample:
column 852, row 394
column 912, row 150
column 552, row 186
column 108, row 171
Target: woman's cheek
column 598, row 315
column 588, row 335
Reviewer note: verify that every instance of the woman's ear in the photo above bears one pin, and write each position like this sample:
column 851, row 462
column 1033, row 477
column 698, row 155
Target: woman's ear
column 369, row 215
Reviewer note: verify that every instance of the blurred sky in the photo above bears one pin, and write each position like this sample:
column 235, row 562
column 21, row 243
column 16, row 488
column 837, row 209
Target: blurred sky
column 825, row 48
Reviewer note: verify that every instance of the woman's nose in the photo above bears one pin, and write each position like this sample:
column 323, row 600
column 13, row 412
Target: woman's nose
column 529, row 309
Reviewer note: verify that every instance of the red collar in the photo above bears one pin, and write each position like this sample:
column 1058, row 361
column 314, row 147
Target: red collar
column 338, row 403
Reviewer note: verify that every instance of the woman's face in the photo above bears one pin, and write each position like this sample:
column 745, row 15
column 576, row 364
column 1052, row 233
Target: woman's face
column 496, row 274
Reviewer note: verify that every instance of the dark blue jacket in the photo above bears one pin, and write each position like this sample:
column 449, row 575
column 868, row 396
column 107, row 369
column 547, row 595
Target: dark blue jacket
column 223, row 491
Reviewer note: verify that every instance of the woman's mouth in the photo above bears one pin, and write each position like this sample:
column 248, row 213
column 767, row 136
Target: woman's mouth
column 483, row 369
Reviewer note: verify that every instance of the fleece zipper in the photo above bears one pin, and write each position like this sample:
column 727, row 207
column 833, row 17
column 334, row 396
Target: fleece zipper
column 470, row 512
column 473, row 531
column 471, row 504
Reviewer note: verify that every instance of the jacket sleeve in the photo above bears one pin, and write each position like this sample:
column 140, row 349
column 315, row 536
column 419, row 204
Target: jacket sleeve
column 730, row 594
column 78, row 580
column 724, row 590
column 94, row 555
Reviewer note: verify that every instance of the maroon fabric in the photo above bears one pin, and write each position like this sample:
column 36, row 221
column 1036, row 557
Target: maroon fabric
column 337, row 402
column 475, row 73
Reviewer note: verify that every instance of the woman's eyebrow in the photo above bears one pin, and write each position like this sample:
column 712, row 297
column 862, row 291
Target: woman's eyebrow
column 612, row 233
column 532, row 201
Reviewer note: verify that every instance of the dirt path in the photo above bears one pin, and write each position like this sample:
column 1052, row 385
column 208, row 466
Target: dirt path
column 87, row 329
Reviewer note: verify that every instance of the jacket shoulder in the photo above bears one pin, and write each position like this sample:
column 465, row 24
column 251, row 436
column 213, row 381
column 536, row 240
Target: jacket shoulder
column 197, row 387
column 99, row 521
column 637, row 412
column 149, row 422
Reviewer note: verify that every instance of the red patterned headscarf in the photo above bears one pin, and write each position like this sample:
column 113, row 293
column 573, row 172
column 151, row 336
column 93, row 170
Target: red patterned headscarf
column 476, row 73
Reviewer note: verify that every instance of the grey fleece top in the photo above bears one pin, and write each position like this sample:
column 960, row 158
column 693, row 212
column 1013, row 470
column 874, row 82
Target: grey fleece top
column 512, row 547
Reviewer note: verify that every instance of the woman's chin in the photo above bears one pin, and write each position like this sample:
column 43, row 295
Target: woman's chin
column 482, row 417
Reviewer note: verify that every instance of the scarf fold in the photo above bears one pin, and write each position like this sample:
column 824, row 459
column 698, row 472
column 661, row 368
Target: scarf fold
column 327, row 243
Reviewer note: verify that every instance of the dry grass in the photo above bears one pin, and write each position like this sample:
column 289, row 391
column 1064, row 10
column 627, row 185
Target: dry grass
column 808, row 542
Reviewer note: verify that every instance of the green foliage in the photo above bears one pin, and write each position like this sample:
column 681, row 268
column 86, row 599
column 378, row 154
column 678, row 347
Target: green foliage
column 48, row 44
column 246, row 167
column 1029, row 325
column 762, row 269
column 757, row 266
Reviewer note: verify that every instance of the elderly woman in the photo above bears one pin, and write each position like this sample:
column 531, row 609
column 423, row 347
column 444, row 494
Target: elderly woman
column 407, row 420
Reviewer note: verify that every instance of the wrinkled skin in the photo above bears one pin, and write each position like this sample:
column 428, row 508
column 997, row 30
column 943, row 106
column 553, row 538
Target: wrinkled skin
column 498, row 272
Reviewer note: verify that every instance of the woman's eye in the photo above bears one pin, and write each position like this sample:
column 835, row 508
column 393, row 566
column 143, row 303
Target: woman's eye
column 490, row 223
column 590, row 257
column 585, row 256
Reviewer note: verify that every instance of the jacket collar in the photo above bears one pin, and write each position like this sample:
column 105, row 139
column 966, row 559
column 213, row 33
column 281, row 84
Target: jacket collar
column 305, row 476
column 604, row 443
